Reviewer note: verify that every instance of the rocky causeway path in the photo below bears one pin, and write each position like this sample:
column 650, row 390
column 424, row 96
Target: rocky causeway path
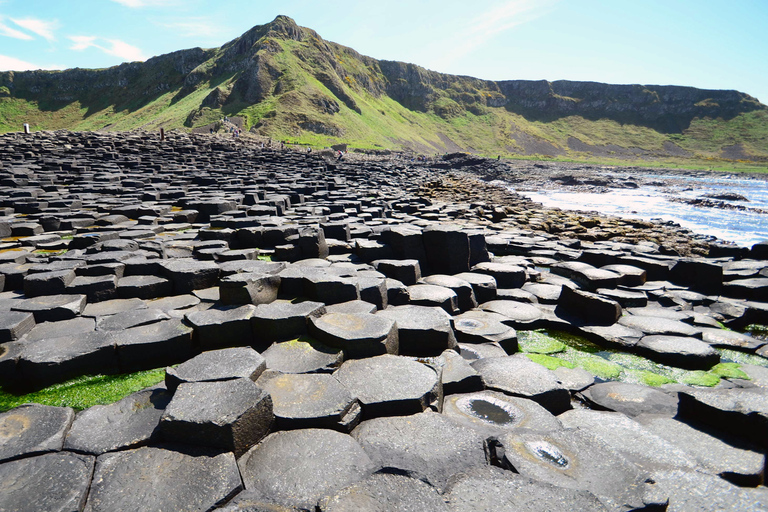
column 356, row 334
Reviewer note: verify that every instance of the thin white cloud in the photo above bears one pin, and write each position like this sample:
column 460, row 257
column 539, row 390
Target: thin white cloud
column 5, row 30
column 194, row 27
column 138, row 4
column 13, row 64
column 37, row 26
column 114, row 47
column 490, row 23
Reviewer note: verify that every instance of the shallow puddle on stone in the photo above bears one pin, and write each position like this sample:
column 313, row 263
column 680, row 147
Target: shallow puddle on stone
column 490, row 412
column 549, row 453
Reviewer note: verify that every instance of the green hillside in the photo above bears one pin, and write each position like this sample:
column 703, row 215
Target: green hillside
column 286, row 82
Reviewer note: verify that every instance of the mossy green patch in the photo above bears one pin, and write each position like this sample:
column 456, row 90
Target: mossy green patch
column 736, row 356
column 729, row 371
column 552, row 363
column 538, row 342
column 84, row 392
column 594, row 364
column 700, row 378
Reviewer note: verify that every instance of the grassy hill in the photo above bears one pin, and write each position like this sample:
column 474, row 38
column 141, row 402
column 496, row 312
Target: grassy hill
column 286, row 82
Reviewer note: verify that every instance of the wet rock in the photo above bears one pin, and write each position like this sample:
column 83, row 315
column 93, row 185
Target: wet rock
column 491, row 489
column 33, row 429
column 517, row 375
column 428, row 445
column 297, row 468
column 421, row 330
column 128, row 423
column 310, row 401
column 231, row 414
column 217, row 365
column 148, row 479
column 630, row 399
column 390, row 385
column 358, row 335
column 53, row 481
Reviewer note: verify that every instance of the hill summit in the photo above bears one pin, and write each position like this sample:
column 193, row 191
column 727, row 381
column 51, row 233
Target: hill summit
column 285, row 81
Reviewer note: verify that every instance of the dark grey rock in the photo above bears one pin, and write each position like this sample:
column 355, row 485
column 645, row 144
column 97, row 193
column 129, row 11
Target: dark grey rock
column 586, row 307
column 490, row 489
column 483, row 286
column 358, row 335
column 716, row 452
column 391, row 385
column 723, row 338
column 78, row 325
column 585, row 275
column 297, row 468
column 32, row 429
column 385, row 492
column 217, row 365
column 427, row 444
column 249, row 288
column 53, row 481
column 112, row 307
column 131, row 318
column 433, row 296
column 575, row 459
column 330, row 289
column 484, row 327
column 407, row 272
column 148, row 479
column 352, row 307
column 128, row 423
column 740, row 412
column 52, row 308
column 630, row 399
column 153, row 345
column 630, row 439
column 310, row 401
column 689, row 490
column 231, row 414
column 51, row 360
column 519, row 376
column 15, row 324
column 283, row 320
column 223, row 327
column 506, row 276
column 188, row 275
column 302, row 356
column 650, row 325
column 457, row 375
column 519, row 314
column 628, row 275
column 48, row 283
column 143, row 287
column 422, row 331
column 574, row 379
column 465, row 295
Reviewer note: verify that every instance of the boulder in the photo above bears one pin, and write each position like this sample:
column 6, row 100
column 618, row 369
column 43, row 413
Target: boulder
column 588, row 308
column 358, row 335
column 421, row 330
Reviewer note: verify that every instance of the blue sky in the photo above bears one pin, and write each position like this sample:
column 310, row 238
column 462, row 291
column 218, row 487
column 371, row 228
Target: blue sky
column 712, row 44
